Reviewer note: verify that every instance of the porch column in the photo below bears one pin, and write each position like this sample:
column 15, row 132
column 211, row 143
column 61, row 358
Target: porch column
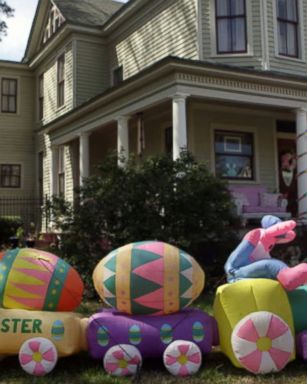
column 84, row 156
column 123, row 139
column 301, row 149
column 179, row 124
column 54, row 170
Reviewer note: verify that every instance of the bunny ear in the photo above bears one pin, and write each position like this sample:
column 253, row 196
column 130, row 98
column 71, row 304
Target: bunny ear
column 280, row 228
column 286, row 238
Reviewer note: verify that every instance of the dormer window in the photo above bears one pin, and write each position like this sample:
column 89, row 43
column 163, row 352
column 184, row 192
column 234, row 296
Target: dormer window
column 231, row 26
column 287, row 24
column 55, row 20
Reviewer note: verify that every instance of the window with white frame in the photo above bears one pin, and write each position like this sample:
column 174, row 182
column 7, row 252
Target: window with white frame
column 10, row 175
column 8, row 95
column 61, row 80
column 287, row 27
column 234, row 155
column 231, row 33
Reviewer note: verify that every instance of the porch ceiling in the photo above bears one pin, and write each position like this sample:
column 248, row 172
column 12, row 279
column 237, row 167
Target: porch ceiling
column 160, row 82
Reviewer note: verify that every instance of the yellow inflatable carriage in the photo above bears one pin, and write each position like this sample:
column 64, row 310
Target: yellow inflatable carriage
column 255, row 325
column 39, row 291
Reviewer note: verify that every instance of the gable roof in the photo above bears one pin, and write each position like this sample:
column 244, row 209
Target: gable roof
column 92, row 13
column 87, row 13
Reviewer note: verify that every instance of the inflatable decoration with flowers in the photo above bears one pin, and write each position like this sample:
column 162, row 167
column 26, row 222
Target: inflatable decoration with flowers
column 262, row 342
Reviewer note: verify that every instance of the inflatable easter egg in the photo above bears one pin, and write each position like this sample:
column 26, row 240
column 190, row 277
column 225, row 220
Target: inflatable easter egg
column 37, row 280
column 57, row 330
column 148, row 277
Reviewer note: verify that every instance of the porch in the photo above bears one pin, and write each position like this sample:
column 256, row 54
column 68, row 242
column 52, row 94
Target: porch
column 224, row 116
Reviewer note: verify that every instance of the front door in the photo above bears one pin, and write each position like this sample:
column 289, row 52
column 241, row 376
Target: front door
column 287, row 172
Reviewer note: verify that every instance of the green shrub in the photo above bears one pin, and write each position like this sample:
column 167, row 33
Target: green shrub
column 179, row 202
column 9, row 226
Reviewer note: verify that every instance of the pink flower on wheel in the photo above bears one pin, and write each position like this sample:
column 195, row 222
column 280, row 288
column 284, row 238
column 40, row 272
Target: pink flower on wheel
column 122, row 360
column 182, row 358
column 38, row 356
column 262, row 342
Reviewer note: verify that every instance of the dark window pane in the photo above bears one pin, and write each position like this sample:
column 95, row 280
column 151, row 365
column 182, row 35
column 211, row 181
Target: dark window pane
column 238, row 34
column 222, row 8
column 10, row 176
column 224, row 35
column 237, row 7
column 9, row 95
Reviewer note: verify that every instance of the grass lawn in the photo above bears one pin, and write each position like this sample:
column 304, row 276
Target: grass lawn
column 81, row 369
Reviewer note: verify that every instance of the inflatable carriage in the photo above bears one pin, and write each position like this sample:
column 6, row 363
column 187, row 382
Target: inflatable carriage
column 150, row 285
column 38, row 291
column 264, row 306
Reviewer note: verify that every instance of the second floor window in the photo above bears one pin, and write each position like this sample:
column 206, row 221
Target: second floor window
column 10, row 175
column 61, row 171
column 231, row 26
column 61, row 80
column 9, row 95
column 287, row 24
column 41, row 97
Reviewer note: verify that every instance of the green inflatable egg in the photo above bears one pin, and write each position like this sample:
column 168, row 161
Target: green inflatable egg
column 57, row 330
column 135, row 334
column 166, row 334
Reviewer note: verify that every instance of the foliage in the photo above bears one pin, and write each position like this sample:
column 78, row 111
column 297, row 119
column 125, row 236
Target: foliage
column 7, row 11
column 179, row 202
column 8, row 228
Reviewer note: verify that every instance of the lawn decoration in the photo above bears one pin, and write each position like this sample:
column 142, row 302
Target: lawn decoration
column 251, row 259
column 150, row 277
column 255, row 319
column 122, row 360
column 144, row 279
column 262, row 342
column 182, row 358
column 150, row 334
column 37, row 280
column 38, row 356
column 245, row 298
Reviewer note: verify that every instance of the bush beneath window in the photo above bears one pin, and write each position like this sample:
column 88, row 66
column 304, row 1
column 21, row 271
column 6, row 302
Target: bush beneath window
column 9, row 227
column 179, row 202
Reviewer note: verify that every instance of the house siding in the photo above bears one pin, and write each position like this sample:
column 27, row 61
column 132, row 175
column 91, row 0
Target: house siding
column 16, row 133
column 51, row 110
column 163, row 28
column 284, row 64
column 254, row 57
column 92, row 76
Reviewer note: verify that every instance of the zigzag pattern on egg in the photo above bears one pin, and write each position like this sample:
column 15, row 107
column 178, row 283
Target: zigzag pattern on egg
column 148, row 277
column 33, row 279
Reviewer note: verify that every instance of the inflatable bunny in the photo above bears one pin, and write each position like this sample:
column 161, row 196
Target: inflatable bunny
column 252, row 259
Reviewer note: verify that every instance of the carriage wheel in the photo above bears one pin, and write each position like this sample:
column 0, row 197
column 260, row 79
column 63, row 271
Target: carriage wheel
column 182, row 358
column 38, row 356
column 122, row 360
column 262, row 342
